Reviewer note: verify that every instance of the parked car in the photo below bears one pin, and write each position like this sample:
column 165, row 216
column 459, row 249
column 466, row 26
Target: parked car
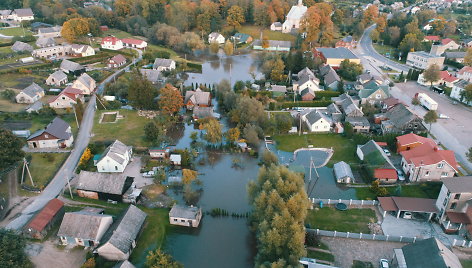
column 383, row 263
column 407, row 215
column 387, row 152
column 401, row 176
column 443, row 116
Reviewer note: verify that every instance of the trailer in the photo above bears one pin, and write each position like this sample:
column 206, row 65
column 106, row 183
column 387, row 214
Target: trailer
column 426, row 101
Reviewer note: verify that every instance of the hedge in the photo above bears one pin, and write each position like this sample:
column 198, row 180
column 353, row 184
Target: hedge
column 317, row 103
column 327, row 94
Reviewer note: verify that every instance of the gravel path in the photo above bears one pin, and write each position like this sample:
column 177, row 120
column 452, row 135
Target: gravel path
column 347, row 250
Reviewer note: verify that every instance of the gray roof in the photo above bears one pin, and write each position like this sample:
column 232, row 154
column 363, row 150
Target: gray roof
column 342, row 170
column 302, row 79
column 429, row 253
column 214, row 35
column 307, row 91
column 365, row 76
column 203, row 112
column 126, row 230
column 306, row 71
column 331, row 76
column 54, row 29
column 118, row 59
column 109, row 183
column 115, row 151
column 124, row 264
column 315, row 115
column 458, row 184
column 184, row 212
column 19, row 46
column 372, row 147
column 71, row 66
column 358, row 121
column 277, row 24
column 348, row 39
column 32, row 90
column 36, row 106
column 150, row 74
column 337, row 53
column 198, row 97
column 23, row 12
column 162, row 62
column 454, row 54
column 81, row 224
column 276, row 88
column 400, row 115
column 348, row 104
column 45, row 42
column 80, row 47
column 423, row 54
column 58, row 75
column 461, row 83
column 57, row 128
column 324, row 69
column 86, row 80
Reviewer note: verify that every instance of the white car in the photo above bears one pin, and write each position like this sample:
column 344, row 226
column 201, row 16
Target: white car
column 401, row 176
column 387, row 152
column 407, row 215
column 383, row 263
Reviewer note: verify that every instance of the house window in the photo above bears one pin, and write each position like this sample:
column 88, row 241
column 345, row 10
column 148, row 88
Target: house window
column 426, row 174
column 182, row 220
column 453, row 205
column 175, row 219
column 116, row 167
column 444, row 174
column 457, row 196
column 440, row 165
column 445, row 201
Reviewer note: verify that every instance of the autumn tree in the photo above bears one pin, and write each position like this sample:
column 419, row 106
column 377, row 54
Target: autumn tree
column 317, row 25
column 235, row 16
column 213, row 131
column 75, row 28
column 10, row 148
column 86, row 155
column 438, row 25
column 228, row 48
column 79, row 110
column 188, row 175
column 370, row 15
column 280, row 205
column 375, row 35
column 233, row 134
column 432, row 74
column 160, row 259
column 430, row 117
column 260, row 13
column 214, row 47
column 141, row 92
column 170, row 100
column 381, row 23
column 450, row 28
column 269, row 158
column 468, row 57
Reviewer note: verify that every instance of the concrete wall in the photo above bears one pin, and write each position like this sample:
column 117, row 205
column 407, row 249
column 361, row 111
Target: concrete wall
column 110, row 252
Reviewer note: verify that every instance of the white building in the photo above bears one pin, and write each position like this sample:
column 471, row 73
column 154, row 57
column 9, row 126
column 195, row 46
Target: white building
column 79, row 50
column 294, row 17
column 30, row 94
column 317, row 121
column 115, row 158
column 112, row 43
column 465, row 73
column 216, row 37
column 22, row 14
column 163, row 65
column 57, row 134
column 457, row 90
column 85, row 83
column 185, row 216
column 422, row 60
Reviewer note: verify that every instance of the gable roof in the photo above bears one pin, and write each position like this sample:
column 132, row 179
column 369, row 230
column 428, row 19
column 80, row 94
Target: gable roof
column 132, row 41
column 159, row 62
column 331, row 76
column 80, row 48
column 277, row 88
column 359, row 121
column 184, row 212
column 70, row 92
column 448, row 77
column 21, row 46
column 80, row 224
column 47, row 213
column 458, row 184
column 455, row 54
column 429, row 253
column 336, row 53
column 197, row 97
column 150, row 74
column 400, row 115
column 116, row 151
column 58, row 75
column 214, row 35
column 315, row 115
column 446, row 41
column 86, row 80
column 429, row 154
column 374, row 154
column 71, row 66
column 432, row 38
column 110, row 39
column 124, row 264
column 242, row 37
column 412, row 138
column 306, row 72
column 307, row 91
column 348, row 39
column 23, row 12
column 102, row 182
column 342, row 170
column 465, row 69
column 297, row 12
column 45, row 42
column 54, row 29
column 119, row 59
column 412, row 204
column 32, row 90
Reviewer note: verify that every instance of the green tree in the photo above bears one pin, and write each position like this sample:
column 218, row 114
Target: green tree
column 141, row 92
column 170, row 100
column 12, row 248
column 160, row 259
column 466, row 94
column 228, row 48
column 432, row 74
column 213, row 130
column 235, row 16
column 410, row 43
column 375, row 35
column 350, row 70
column 251, row 135
column 469, row 154
column 430, row 117
column 10, row 149
column 269, row 158
column 79, row 110
column 468, row 57
column 152, row 132
column 280, row 205
column 283, row 122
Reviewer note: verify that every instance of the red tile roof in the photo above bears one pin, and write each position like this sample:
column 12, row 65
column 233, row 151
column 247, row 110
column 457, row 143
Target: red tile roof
column 447, row 77
column 383, row 173
column 428, row 154
column 42, row 219
column 381, row 143
column 132, row 41
column 432, row 37
column 465, row 69
column 70, row 92
column 110, row 39
column 413, row 138
column 395, row 203
column 118, row 59
column 446, row 41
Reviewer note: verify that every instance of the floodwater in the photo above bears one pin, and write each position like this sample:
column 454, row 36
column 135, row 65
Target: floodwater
column 218, row 67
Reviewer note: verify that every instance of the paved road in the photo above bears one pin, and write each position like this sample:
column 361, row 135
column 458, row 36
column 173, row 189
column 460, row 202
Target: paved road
column 366, row 51
column 59, row 181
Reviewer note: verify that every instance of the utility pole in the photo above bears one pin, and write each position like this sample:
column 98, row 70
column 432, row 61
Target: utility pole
column 68, row 184
column 300, row 124
column 25, row 166
column 75, row 114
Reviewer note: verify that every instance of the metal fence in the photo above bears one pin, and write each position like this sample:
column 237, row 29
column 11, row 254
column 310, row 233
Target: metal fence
column 390, row 238
column 462, row 243
column 347, row 202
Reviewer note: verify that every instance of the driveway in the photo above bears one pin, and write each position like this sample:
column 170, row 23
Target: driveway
column 347, row 250
column 52, row 256
column 133, row 170
column 416, row 228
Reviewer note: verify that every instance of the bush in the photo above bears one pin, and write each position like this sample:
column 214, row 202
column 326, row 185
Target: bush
column 327, row 94
column 316, row 103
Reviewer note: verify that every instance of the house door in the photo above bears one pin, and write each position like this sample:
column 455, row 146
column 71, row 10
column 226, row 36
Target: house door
column 35, row 145
column 190, row 223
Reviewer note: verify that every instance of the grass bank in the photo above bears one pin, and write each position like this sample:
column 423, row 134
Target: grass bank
column 43, row 167
column 352, row 220
column 423, row 190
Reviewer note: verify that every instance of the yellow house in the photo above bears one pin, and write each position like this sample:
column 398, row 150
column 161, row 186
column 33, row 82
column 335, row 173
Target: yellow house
column 334, row 56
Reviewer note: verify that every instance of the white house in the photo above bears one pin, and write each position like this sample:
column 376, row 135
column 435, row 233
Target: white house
column 57, row 134
column 83, row 228
column 216, row 37
column 294, row 17
column 30, row 94
column 457, row 90
column 465, row 73
column 112, row 43
column 163, row 64
column 306, row 79
column 115, row 158
column 58, row 78
column 85, row 83
column 317, row 121
column 47, row 32
column 79, row 50
column 67, row 98
column 134, row 43
column 185, row 216
column 276, row 26
column 22, row 14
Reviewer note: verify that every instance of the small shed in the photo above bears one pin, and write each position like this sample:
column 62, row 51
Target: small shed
column 343, row 172
column 39, row 225
column 159, row 152
column 185, row 216
column 176, row 159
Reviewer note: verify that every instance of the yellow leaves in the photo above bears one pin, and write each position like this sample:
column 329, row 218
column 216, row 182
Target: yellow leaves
column 235, row 16
column 74, row 28
column 85, row 156
column 188, row 176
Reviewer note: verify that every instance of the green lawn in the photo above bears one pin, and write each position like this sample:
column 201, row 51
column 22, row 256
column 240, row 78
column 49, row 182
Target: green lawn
column 344, row 149
column 129, row 130
column 43, row 167
column 15, row 31
column 423, row 190
column 466, row 263
column 255, row 32
column 117, row 33
column 320, row 255
column 352, row 220
column 384, row 49
column 20, row 81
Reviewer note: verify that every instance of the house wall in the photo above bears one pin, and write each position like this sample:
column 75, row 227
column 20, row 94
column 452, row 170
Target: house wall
column 62, row 102
column 442, row 202
column 162, row 68
column 35, row 234
column 23, row 98
column 87, row 194
column 308, row 97
column 337, row 62
column 186, row 222
column 361, row 129
column 320, row 126
column 110, row 252
column 50, row 81
column 427, row 172
column 157, row 154
column 376, row 97
column 109, row 165
column 117, row 46
column 420, row 62
column 85, row 89
column 456, row 94
column 309, row 84
column 465, row 76
column 44, row 142
column 49, row 52
column 47, row 35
